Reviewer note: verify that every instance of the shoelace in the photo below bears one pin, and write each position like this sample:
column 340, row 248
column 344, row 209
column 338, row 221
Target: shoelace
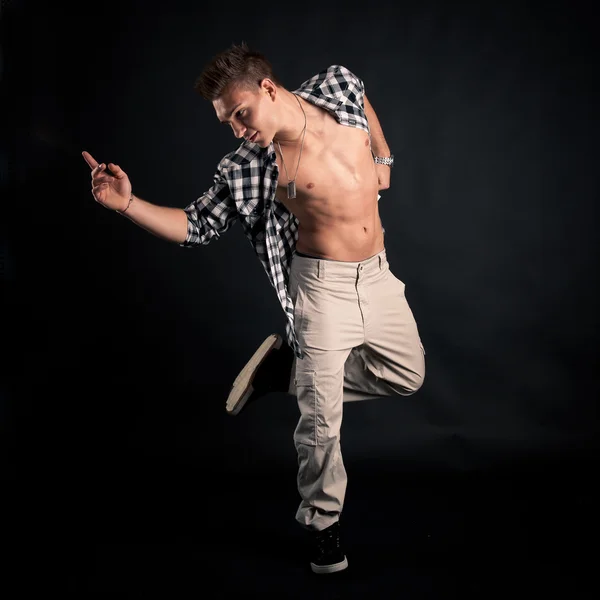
column 324, row 538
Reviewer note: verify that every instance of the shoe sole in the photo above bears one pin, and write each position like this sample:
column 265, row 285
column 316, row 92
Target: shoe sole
column 320, row 569
column 242, row 388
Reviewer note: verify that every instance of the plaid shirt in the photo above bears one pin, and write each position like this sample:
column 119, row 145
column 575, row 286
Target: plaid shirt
column 246, row 181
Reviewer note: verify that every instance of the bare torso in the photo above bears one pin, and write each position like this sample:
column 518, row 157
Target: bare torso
column 336, row 190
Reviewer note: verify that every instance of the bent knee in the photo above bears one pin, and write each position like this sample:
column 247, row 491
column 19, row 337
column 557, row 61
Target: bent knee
column 410, row 384
column 417, row 376
column 416, row 383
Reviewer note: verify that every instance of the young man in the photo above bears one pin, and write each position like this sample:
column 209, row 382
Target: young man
column 304, row 185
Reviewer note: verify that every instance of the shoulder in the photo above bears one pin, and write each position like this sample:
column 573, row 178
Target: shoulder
column 337, row 77
column 242, row 155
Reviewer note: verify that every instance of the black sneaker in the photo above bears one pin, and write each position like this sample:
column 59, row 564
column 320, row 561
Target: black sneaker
column 269, row 370
column 327, row 553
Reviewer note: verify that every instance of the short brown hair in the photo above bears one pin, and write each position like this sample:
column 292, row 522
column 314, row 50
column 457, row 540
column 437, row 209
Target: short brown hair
column 237, row 65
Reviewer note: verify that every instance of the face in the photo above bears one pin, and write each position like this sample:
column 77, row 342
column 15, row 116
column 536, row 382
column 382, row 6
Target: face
column 251, row 114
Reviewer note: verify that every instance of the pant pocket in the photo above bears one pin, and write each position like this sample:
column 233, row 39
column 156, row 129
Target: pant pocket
column 306, row 394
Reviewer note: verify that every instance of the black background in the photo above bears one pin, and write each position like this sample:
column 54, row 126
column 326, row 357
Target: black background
column 121, row 347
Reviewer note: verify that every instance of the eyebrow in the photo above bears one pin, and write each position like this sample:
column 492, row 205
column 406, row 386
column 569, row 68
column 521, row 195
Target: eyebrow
column 232, row 111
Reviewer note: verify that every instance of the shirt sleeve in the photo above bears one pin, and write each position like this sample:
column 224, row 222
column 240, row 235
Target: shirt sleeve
column 211, row 215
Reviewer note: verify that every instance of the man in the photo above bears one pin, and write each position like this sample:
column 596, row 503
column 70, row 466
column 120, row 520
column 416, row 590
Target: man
column 304, row 185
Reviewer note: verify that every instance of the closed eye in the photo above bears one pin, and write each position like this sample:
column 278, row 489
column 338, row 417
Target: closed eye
column 238, row 114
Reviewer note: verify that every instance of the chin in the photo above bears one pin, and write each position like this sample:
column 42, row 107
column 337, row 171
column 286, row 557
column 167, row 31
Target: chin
column 264, row 143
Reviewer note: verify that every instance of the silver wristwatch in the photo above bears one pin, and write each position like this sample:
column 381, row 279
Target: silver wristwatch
column 384, row 160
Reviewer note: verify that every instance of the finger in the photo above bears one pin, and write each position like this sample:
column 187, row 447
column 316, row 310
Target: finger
column 89, row 159
column 102, row 178
column 117, row 171
column 98, row 170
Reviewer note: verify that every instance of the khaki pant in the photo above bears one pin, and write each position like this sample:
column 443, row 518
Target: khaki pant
column 360, row 341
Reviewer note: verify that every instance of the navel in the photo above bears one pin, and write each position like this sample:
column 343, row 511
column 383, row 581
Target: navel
column 365, row 229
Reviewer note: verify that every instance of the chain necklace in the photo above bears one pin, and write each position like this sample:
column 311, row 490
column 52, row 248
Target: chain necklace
column 291, row 186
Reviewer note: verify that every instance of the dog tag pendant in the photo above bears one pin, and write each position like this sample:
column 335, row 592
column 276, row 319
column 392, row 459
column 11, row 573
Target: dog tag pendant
column 291, row 190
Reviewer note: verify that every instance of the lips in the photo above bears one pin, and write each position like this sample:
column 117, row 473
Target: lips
column 253, row 137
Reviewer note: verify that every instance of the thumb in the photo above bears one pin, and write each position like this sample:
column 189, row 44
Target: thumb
column 117, row 171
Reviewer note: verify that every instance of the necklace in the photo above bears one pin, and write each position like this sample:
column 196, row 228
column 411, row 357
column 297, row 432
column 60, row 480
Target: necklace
column 291, row 186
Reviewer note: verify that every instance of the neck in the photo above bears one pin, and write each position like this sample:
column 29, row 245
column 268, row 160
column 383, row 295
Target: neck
column 293, row 119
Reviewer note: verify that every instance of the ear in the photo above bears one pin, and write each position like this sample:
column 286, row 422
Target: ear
column 268, row 87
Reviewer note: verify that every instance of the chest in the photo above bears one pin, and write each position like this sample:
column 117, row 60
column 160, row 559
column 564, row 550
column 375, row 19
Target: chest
column 334, row 156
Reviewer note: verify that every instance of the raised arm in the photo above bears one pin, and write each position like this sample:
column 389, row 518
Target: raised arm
column 205, row 218
column 379, row 145
column 111, row 188
column 170, row 224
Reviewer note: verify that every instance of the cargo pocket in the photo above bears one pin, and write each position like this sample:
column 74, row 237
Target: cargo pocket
column 306, row 393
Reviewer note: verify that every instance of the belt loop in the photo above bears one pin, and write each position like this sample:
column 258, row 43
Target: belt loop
column 380, row 262
column 319, row 269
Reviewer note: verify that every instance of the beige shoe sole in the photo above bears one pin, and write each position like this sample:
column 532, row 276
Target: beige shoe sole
column 242, row 388
column 330, row 568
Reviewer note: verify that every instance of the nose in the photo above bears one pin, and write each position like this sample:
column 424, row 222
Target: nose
column 238, row 131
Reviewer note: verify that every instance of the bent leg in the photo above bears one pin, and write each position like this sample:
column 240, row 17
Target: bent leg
column 391, row 361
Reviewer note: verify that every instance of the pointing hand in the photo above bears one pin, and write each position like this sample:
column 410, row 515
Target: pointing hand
column 112, row 187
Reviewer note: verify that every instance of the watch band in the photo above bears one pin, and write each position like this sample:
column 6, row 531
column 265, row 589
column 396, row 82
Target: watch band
column 384, row 160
